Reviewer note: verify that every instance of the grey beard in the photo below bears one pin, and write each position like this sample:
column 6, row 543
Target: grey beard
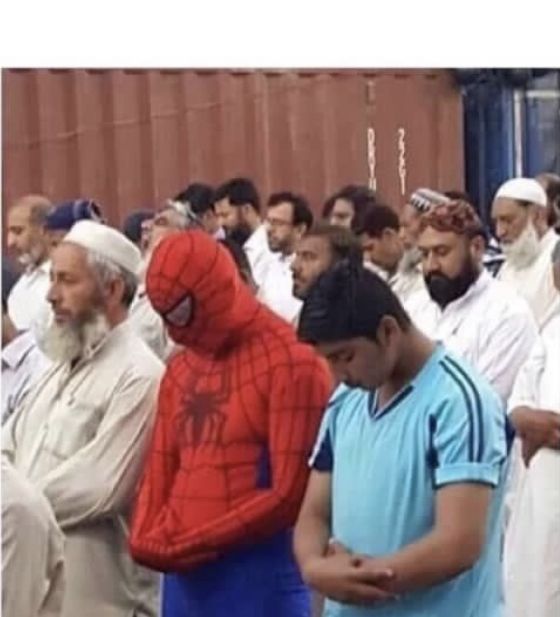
column 522, row 252
column 410, row 260
column 65, row 343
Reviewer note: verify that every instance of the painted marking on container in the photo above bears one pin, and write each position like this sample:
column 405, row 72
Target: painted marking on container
column 401, row 145
column 372, row 163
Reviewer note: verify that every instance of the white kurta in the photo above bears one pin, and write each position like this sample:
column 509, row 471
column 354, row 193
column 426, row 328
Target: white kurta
column 532, row 547
column 81, row 437
column 259, row 254
column 535, row 282
column 32, row 550
column 276, row 290
column 27, row 302
column 490, row 326
column 22, row 365
column 149, row 325
column 407, row 283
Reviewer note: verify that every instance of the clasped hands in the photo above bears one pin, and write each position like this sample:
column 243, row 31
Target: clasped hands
column 349, row 578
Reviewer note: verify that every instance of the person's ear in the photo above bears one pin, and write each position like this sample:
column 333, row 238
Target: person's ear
column 387, row 330
column 114, row 292
column 477, row 247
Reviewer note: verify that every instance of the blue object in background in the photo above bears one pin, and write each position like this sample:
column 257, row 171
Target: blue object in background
column 541, row 151
column 512, row 127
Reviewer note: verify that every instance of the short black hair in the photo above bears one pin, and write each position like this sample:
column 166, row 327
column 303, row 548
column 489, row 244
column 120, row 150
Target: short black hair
column 302, row 214
column 199, row 196
column 348, row 301
column 343, row 243
column 377, row 219
column 239, row 191
column 132, row 226
column 552, row 190
column 457, row 195
column 360, row 196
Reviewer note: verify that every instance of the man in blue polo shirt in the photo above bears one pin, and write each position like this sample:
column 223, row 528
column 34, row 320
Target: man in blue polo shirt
column 402, row 515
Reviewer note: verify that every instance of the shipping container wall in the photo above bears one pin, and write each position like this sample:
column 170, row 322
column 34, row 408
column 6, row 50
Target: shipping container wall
column 132, row 138
column 510, row 130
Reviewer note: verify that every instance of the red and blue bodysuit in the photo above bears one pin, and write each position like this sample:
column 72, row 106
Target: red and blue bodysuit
column 238, row 413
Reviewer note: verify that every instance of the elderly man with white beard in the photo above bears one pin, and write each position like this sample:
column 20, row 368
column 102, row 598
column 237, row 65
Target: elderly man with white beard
column 520, row 215
column 81, row 434
column 532, row 543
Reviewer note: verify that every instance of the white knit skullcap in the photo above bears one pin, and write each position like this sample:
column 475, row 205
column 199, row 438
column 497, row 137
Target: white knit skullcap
column 523, row 189
column 108, row 242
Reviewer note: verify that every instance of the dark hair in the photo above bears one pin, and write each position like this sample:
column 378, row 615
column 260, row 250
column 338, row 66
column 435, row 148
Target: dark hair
column 456, row 195
column 132, row 227
column 343, row 243
column 348, row 301
column 239, row 191
column 39, row 212
column 552, row 190
column 361, row 197
column 377, row 219
column 301, row 212
column 199, row 196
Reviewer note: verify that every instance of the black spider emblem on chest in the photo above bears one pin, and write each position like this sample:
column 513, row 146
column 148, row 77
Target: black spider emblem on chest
column 203, row 418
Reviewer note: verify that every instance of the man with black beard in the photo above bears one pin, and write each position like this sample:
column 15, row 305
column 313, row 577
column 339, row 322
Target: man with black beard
column 238, row 209
column 479, row 318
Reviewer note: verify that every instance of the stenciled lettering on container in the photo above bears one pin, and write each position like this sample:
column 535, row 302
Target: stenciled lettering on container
column 372, row 182
column 401, row 147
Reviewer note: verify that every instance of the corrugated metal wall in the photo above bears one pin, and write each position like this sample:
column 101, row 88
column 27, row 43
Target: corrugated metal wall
column 131, row 138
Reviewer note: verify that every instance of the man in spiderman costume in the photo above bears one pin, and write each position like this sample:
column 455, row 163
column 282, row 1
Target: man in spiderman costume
column 239, row 410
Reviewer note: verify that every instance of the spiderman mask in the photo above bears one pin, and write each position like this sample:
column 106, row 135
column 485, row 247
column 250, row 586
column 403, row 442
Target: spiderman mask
column 192, row 282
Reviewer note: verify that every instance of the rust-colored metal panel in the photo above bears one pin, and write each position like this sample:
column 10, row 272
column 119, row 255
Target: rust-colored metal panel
column 132, row 138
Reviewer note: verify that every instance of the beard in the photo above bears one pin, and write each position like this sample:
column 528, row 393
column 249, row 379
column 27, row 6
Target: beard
column 240, row 233
column 30, row 258
column 443, row 289
column 63, row 343
column 410, row 260
column 522, row 252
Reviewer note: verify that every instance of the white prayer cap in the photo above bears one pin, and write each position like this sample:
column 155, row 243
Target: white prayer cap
column 108, row 242
column 523, row 189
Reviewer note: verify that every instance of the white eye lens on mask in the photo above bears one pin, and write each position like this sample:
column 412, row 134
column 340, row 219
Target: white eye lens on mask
column 181, row 315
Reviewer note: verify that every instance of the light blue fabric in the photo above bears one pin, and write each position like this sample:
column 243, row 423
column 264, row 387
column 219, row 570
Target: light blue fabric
column 445, row 427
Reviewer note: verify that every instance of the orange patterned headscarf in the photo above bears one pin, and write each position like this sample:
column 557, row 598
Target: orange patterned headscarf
column 457, row 216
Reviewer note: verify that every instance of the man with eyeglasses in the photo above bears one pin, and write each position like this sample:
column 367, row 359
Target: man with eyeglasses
column 288, row 219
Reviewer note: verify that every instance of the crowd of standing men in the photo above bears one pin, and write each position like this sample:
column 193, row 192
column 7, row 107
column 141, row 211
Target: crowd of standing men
column 358, row 415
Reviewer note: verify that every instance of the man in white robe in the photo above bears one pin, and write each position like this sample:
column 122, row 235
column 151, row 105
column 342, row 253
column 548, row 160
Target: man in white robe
column 28, row 239
column 520, row 216
column 238, row 209
column 32, row 550
column 288, row 219
column 532, row 547
column 479, row 318
column 81, row 434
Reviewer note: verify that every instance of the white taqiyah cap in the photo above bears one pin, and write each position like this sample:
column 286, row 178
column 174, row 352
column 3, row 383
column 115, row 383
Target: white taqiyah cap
column 523, row 189
column 106, row 241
